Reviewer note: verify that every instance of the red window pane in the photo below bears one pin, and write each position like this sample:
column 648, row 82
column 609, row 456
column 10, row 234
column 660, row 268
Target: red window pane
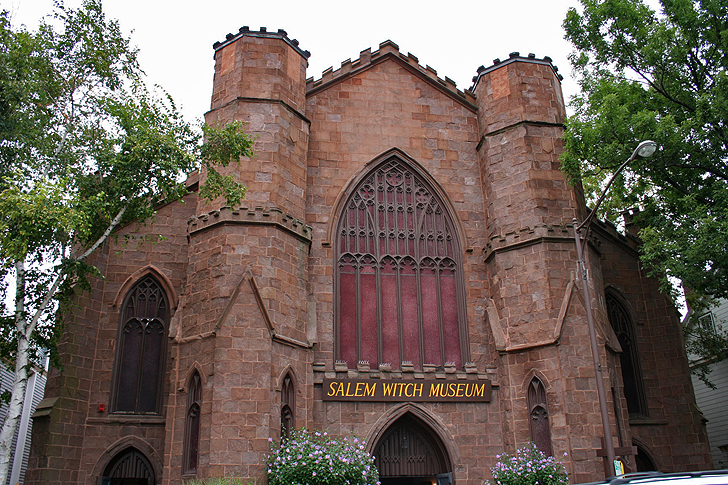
column 410, row 320
column 430, row 314
column 400, row 301
column 390, row 314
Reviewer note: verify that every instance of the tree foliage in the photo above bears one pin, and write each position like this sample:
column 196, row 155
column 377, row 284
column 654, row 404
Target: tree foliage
column 84, row 148
column 660, row 76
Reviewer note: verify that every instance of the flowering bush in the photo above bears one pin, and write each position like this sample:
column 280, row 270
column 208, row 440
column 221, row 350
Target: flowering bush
column 529, row 467
column 315, row 459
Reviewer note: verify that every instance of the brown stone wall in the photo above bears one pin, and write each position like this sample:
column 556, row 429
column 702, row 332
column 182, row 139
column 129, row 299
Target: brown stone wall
column 262, row 64
column 260, row 79
column 78, row 434
column 470, row 430
column 672, row 432
column 533, row 309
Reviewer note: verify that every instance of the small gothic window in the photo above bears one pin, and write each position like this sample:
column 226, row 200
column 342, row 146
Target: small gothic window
column 192, row 424
column 538, row 411
column 140, row 352
column 288, row 406
column 398, row 276
column 127, row 467
column 623, row 326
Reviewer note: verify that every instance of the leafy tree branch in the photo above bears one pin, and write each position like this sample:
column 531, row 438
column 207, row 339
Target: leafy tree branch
column 85, row 147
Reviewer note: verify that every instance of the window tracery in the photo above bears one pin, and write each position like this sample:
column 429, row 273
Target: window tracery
column 399, row 282
column 623, row 327
column 141, row 345
column 192, row 424
column 288, row 406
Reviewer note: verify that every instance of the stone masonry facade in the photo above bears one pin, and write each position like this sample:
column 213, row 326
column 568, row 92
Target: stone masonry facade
column 253, row 293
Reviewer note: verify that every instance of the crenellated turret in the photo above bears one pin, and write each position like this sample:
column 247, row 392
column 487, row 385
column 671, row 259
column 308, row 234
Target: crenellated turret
column 260, row 78
column 521, row 115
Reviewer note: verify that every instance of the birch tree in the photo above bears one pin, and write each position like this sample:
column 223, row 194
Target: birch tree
column 85, row 147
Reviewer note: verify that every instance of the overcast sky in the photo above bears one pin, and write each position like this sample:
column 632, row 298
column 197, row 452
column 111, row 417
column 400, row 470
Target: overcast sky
column 175, row 37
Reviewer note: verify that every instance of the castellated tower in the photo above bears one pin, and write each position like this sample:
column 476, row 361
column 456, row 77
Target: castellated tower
column 248, row 275
column 533, row 307
column 400, row 270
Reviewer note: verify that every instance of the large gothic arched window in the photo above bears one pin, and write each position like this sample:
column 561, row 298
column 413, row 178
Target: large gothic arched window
column 398, row 274
column 140, row 349
column 623, row 326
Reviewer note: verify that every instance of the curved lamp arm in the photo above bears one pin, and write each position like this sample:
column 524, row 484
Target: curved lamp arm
column 645, row 149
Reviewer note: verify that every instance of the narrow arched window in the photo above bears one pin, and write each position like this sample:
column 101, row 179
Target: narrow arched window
column 634, row 391
column 539, row 416
column 140, row 349
column 398, row 274
column 129, row 466
column 192, row 424
column 288, row 406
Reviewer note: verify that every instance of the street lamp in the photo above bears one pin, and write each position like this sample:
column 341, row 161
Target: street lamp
column 645, row 149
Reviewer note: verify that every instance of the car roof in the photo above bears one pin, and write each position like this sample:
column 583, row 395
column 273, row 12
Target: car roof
column 707, row 477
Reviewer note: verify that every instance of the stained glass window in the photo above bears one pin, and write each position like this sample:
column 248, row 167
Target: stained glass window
column 399, row 281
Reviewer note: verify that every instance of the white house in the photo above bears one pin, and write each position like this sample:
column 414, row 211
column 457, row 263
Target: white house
column 712, row 402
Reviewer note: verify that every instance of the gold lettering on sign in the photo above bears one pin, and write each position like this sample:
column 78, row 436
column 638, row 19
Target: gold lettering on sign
column 405, row 390
column 361, row 389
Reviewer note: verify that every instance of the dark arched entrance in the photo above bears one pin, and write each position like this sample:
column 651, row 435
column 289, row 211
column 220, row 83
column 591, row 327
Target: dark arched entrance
column 643, row 462
column 128, row 467
column 411, row 453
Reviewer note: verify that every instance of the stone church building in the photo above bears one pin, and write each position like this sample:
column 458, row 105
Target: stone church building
column 403, row 270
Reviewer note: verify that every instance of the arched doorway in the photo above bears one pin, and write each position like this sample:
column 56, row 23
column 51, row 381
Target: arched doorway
column 643, row 461
column 128, row 467
column 411, row 453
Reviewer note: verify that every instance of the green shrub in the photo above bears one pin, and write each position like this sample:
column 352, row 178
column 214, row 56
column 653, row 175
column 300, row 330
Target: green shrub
column 316, row 458
column 529, row 466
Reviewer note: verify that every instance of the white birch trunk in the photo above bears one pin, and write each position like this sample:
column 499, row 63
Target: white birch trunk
column 20, row 381
column 25, row 327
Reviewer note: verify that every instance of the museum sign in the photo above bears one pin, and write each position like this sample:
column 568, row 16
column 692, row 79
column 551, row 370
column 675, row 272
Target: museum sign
column 418, row 390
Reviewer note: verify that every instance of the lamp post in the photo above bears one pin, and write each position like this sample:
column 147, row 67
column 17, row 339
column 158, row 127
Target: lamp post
column 645, row 149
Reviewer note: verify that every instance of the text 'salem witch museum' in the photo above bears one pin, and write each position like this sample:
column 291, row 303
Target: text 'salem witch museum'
column 403, row 271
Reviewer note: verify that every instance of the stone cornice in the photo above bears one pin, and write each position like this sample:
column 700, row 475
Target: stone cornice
column 517, row 125
column 257, row 216
column 470, row 372
column 528, row 236
column 245, row 99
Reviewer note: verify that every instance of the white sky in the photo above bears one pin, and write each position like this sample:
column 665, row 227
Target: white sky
column 175, row 37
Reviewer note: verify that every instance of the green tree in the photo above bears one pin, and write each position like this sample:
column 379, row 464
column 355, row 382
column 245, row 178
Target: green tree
column 645, row 75
column 84, row 148
column 660, row 76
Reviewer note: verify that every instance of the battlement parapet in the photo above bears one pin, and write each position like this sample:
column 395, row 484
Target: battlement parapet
column 527, row 236
column 388, row 49
column 262, row 33
column 514, row 57
column 251, row 216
